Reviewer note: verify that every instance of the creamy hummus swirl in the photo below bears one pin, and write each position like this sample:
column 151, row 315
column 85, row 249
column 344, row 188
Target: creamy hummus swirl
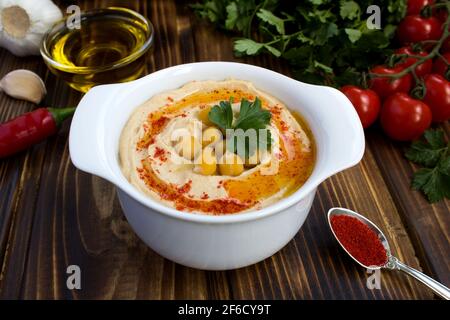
column 151, row 162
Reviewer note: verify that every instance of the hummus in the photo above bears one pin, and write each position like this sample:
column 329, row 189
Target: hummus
column 150, row 156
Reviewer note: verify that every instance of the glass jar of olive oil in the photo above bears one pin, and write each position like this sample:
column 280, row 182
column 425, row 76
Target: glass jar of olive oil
column 109, row 47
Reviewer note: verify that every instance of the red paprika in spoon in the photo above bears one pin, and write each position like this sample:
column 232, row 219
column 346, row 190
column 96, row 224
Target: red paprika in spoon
column 359, row 240
column 30, row 128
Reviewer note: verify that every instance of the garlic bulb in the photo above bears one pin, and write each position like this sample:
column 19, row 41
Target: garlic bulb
column 23, row 84
column 24, row 22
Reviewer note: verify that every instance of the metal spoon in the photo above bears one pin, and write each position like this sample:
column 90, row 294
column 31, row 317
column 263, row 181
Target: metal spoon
column 392, row 262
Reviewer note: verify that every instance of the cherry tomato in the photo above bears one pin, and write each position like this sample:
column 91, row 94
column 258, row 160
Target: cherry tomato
column 415, row 6
column 437, row 97
column 423, row 68
column 416, row 28
column 439, row 65
column 404, row 118
column 366, row 103
column 384, row 86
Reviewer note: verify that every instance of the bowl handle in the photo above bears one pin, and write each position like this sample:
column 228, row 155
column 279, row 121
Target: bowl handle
column 86, row 137
column 345, row 142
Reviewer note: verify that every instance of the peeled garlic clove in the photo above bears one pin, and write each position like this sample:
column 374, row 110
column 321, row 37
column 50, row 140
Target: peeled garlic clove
column 23, row 84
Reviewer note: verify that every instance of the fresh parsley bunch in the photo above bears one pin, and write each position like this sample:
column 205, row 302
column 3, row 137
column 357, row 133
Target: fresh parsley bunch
column 433, row 153
column 325, row 41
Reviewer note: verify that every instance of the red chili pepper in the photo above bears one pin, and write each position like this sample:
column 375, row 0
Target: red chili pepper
column 359, row 240
column 30, row 128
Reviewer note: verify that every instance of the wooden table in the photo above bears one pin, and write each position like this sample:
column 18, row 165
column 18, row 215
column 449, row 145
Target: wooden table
column 52, row 215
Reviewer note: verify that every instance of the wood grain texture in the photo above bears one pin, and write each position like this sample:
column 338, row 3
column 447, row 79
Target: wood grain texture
column 52, row 215
column 428, row 225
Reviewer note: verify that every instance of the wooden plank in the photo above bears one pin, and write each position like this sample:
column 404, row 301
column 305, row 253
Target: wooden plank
column 16, row 175
column 52, row 215
column 427, row 224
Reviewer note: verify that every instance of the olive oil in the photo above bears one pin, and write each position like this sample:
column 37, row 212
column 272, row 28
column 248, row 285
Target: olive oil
column 109, row 47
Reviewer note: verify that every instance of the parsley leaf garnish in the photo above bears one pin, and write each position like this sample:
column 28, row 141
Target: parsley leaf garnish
column 433, row 153
column 222, row 114
column 251, row 116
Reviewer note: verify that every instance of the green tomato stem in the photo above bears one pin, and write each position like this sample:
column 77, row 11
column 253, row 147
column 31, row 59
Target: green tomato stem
column 443, row 59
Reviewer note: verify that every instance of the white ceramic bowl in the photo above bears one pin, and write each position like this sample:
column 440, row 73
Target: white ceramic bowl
column 214, row 242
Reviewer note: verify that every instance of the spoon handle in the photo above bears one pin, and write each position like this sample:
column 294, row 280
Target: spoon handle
column 437, row 287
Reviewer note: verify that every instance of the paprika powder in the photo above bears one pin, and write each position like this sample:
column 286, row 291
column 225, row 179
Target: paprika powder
column 359, row 240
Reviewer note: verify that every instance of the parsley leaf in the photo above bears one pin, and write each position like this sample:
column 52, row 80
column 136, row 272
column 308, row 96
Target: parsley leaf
column 252, row 116
column 428, row 152
column 247, row 46
column 444, row 166
column 317, row 1
column 273, row 50
column 269, row 17
column 232, row 16
column 222, row 114
column 208, row 10
column 323, row 33
column 433, row 153
column 349, row 10
column 353, row 34
column 433, row 183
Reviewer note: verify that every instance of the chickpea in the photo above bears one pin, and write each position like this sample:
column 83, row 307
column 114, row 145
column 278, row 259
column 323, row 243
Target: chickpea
column 231, row 164
column 208, row 163
column 211, row 136
column 188, row 147
column 203, row 116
